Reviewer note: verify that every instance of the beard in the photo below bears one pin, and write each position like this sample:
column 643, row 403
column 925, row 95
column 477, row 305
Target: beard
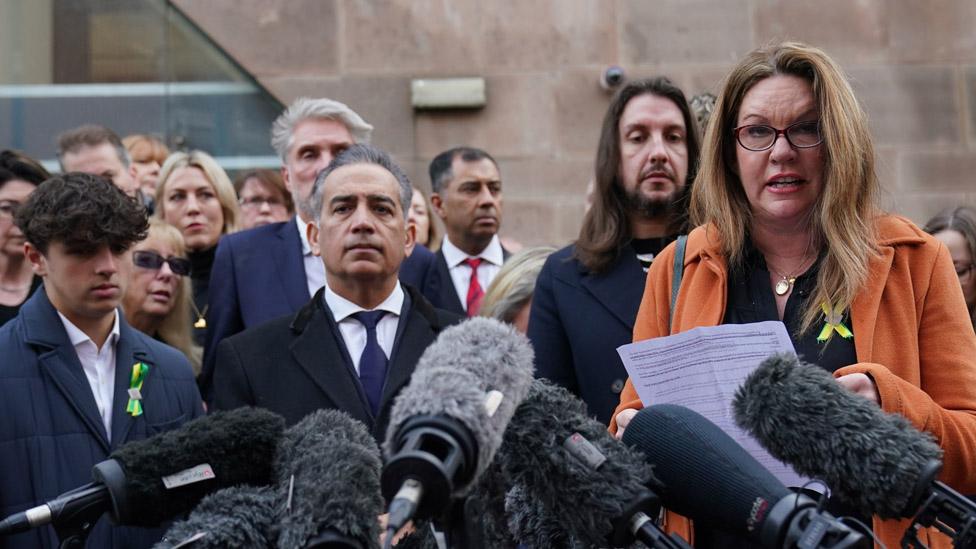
column 653, row 208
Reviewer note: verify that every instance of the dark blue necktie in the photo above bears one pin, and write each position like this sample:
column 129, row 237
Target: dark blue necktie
column 373, row 361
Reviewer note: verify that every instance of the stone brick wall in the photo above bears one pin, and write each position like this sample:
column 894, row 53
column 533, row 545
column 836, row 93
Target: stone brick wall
column 913, row 64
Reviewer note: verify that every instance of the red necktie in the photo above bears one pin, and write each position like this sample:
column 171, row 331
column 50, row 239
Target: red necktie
column 475, row 293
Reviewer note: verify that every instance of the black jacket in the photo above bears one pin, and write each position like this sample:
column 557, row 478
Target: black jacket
column 297, row 364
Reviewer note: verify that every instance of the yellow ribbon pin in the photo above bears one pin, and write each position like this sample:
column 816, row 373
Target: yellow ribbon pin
column 139, row 371
column 833, row 322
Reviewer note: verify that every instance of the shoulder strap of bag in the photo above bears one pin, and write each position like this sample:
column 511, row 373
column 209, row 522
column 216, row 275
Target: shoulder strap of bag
column 679, row 269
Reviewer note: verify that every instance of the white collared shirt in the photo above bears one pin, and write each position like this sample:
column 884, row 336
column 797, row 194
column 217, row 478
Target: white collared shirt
column 492, row 257
column 99, row 366
column 354, row 333
column 314, row 268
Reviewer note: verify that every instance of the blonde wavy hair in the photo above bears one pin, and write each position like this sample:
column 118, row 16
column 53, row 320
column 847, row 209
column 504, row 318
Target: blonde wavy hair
column 842, row 219
column 175, row 328
column 514, row 284
column 215, row 175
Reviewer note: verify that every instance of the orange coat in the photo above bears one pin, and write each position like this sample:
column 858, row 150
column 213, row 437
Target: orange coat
column 911, row 330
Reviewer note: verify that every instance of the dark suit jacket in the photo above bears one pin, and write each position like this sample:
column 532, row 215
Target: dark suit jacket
column 578, row 320
column 51, row 433
column 259, row 275
column 439, row 289
column 298, row 364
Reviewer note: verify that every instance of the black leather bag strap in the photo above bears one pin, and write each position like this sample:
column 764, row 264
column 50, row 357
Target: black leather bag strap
column 679, row 269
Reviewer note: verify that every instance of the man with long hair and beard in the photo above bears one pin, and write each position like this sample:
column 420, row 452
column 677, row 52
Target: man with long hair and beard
column 587, row 295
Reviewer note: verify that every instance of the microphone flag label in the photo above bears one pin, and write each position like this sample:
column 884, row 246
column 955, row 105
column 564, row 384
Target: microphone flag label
column 199, row 473
column 493, row 399
column 584, row 450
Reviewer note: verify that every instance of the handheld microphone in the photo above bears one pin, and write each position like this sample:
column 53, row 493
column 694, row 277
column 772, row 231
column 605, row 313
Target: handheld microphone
column 328, row 474
column 876, row 462
column 571, row 483
column 449, row 420
column 708, row 477
column 239, row 516
column 146, row 482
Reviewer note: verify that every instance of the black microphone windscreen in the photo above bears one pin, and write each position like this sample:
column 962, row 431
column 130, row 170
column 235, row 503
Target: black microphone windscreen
column 237, row 445
column 706, row 475
column 486, row 501
column 454, row 376
column 240, row 516
column 567, row 473
column 335, row 464
column 802, row 416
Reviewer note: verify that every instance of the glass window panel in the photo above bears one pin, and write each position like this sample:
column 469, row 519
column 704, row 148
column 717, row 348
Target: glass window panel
column 136, row 66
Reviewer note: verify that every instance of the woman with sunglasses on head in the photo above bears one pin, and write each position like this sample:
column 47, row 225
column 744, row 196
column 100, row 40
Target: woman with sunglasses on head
column 956, row 228
column 157, row 299
column 19, row 176
column 195, row 195
column 789, row 229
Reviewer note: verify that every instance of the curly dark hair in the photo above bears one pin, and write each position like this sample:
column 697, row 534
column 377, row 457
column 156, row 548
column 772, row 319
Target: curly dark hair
column 84, row 212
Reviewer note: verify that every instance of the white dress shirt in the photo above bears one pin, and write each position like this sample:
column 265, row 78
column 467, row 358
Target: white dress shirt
column 492, row 257
column 99, row 366
column 354, row 333
column 314, row 268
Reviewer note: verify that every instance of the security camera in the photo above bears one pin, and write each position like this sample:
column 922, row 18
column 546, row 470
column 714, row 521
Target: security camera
column 612, row 77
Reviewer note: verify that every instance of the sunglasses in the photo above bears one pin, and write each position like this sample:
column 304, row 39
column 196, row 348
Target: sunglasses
column 152, row 260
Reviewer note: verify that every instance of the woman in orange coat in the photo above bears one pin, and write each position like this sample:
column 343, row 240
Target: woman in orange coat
column 790, row 230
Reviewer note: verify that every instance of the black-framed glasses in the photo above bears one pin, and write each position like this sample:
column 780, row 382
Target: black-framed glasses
column 759, row 137
column 152, row 260
column 8, row 208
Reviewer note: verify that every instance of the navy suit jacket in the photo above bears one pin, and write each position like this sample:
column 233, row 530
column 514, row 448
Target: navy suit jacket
column 578, row 320
column 439, row 289
column 51, row 433
column 298, row 364
column 259, row 275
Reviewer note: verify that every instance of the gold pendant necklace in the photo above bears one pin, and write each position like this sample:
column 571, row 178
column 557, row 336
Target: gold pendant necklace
column 786, row 281
column 784, row 285
column 201, row 315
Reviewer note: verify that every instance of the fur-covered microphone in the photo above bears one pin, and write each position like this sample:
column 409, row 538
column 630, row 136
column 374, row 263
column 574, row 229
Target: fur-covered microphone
column 876, row 462
column 709, row 478
column 571, row 483
column 447, row 423
column 239, row 516
column 328, row 483
column 148, row 481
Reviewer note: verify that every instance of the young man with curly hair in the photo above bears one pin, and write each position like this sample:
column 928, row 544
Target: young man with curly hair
column 76, row 381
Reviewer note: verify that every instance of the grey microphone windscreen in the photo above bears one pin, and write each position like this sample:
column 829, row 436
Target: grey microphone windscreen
column 567, row 473
column 240, row 516
column 480, row 361
column 870, row 459
column 328, row 470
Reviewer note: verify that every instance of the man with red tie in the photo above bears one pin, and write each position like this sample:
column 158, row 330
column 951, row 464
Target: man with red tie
column 467, row 196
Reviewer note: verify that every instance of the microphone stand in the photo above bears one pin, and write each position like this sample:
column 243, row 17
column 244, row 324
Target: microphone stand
column 73, row 530
column 635, row 523
column 947, row 510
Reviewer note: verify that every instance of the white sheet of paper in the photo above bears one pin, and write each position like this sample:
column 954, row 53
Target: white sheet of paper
column 701, row 369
